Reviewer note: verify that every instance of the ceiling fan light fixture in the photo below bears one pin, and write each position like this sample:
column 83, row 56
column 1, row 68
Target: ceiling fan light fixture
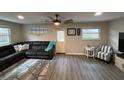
column 57, row 22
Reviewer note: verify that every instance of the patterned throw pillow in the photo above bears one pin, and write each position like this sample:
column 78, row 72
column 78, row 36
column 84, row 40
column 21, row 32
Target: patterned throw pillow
column 27, row 46
column 17, row 47
column 21, row 47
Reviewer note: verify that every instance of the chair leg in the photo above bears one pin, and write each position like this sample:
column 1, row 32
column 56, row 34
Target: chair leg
column 93, row 55
column 87, row 54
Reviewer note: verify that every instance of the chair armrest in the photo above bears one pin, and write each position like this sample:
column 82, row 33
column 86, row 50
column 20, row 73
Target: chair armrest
column 110, row 52
column 96, row 50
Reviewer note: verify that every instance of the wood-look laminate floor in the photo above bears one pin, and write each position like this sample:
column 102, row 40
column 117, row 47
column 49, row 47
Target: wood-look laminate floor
column 81, row 68
column 66, row 67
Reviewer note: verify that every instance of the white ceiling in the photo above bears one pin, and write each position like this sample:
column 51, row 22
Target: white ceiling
column 40, row 17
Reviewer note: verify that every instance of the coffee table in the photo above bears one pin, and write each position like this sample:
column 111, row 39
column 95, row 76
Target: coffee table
column 29, row 69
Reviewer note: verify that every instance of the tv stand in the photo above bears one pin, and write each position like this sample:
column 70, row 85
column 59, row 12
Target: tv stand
column 119, row 61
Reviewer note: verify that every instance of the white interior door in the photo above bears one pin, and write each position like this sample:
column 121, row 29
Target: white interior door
column 60, row 46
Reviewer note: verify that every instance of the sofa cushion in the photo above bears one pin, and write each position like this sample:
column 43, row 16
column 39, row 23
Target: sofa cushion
column 31, row 52
column 10, row 58
column 1, row 61
column 41, row 53
column 39, row 44
column 44, row 47
column 37, row 47
column 7, row 52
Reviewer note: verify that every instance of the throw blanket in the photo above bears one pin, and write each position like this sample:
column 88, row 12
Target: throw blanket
column 50, row 46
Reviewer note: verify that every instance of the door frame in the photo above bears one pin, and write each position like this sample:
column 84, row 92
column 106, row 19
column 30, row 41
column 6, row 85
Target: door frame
column 61, row 41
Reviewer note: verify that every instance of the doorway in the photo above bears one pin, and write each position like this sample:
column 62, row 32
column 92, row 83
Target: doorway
column 60, row 46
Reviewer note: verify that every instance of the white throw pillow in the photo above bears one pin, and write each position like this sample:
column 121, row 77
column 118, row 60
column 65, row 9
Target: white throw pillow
column 23, row 47
column 27, row 45
column 17, row 47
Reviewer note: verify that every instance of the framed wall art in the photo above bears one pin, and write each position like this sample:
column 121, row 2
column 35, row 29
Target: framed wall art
column 78, row 31
column 71, row 31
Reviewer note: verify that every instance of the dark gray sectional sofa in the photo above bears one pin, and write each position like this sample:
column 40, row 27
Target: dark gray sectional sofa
column 9, row 56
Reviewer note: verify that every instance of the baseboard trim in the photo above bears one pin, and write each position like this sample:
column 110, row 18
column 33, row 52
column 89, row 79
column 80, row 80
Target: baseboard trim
column 75, row 53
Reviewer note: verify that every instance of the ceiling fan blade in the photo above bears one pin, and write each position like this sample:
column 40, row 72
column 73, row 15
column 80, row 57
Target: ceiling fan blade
column 62, row 18
column 46, row 21
column 68, row 21
column 58, row 19
column 51, row 18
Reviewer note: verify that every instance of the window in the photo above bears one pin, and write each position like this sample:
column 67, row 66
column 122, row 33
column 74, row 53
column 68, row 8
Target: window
column 60, row 36
column 4, row 35
column 91, row 34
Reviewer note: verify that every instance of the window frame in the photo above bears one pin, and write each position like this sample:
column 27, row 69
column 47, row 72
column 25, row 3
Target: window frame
column 91, row 28
column 1, row 26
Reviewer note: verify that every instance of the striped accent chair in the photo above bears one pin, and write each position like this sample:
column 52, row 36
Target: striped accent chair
column 105, row 53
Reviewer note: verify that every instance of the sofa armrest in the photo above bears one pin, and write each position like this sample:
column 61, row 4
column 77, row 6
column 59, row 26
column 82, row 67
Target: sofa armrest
column 52, row 50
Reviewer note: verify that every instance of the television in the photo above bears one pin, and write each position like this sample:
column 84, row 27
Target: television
column 121, row 42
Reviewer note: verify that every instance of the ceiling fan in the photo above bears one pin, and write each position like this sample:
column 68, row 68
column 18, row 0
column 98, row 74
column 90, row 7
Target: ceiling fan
column 57, row 20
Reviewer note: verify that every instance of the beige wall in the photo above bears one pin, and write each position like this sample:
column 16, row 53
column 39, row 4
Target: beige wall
column 77, row 45
column 73, row 44
column 16, row 30
column 115, row 27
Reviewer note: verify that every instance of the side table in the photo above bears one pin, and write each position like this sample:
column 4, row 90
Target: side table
column 90, row 51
